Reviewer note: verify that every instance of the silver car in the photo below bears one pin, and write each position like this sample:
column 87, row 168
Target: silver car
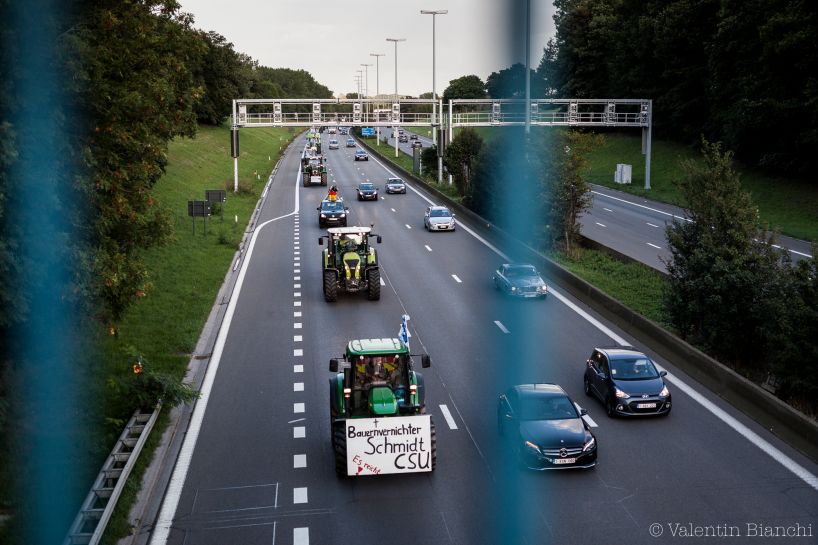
column 395, row 185
column 438, row 218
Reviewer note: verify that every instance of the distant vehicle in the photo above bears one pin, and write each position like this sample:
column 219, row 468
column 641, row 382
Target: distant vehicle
column 332, row 213
column 417, row 144
column 361, row 155
column 400, row 131
column 438, row 218
column 627, row 382
column 395, row 185
column 367, row 192
column 350, row 143
column 519, row 280
column 403, row 138
column 544, row 428
column 333, row 144
column 343, row 130
column 332, row 130
column 413, row 136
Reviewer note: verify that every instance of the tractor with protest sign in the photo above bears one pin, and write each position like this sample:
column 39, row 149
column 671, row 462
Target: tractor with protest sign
column 378, row 414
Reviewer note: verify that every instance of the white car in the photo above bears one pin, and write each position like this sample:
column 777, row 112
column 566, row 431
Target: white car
column 438, row 218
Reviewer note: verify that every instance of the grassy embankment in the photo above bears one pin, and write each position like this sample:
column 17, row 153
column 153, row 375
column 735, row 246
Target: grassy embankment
column 188, row 272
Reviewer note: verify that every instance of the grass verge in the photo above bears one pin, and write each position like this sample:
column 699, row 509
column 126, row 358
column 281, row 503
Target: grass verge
column 186, row 273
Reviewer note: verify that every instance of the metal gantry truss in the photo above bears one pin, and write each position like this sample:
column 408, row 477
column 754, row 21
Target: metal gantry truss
column 389, row 111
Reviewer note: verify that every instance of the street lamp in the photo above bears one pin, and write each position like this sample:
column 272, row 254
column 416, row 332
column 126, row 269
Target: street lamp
column 366, row 76
column 527, row 65
column 396, row 40
column 434, row 13
column 377, row 89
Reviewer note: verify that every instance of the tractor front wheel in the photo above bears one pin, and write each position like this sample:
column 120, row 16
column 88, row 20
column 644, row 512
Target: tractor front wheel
column 330, row 286
column 373, row 277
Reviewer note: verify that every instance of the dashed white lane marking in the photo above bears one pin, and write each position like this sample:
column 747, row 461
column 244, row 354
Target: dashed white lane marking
column 499, row 324
column 299, row 461
column 297, row 314
column 599, row 224
column 382, row 282
column 298, row 352
column 642, row 206
column 296, row 252
column 296, row 259
column 297, row 270
column 587, row 418
column 296, row 278
column 457, row 279
column 296, row 294
column 448, row 416
column 299, row 432
column 652, row 225
column 300, row 495
column 427, row 247
column 296, row 263
column 392, row 209
column 297, row 338
column 301, row 536
column 298, row 387
column 654, row 245
column 296, row 303
column 298, row 408
column 296, row 420
column 296, row 325
column 296, row 286
column 408, row 226
column 298, row 368
column 607, row 209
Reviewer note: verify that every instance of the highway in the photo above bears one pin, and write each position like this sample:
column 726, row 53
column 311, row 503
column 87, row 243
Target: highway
column 257, row 467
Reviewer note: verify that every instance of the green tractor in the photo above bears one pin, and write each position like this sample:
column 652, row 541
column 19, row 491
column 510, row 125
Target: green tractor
column 377, row 411
column 313, row 169
column 350, row 263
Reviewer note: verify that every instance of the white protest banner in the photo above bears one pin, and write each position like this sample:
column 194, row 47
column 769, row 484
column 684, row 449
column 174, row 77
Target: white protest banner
column 398, row 444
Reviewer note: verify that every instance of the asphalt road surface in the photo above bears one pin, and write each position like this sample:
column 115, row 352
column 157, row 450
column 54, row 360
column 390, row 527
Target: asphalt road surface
column 257, row 467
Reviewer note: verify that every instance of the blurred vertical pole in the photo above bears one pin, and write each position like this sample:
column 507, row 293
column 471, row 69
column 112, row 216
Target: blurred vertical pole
column 527, row 67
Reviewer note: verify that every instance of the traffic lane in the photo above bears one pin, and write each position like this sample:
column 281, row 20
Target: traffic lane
column 442, row 494
column 280, row 198
column 604, row 230
column 235, row 485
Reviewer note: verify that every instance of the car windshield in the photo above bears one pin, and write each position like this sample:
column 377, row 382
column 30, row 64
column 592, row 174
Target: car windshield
column 366, row 187
column 360, row 152
column 551, row 407
column 330, row 206
column 519, row 271
column 393, row 181
column 440, row 213
column 350, row 141
column 633, row 369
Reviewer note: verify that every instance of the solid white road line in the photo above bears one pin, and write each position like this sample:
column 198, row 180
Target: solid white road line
column 652, row 225
column 642, row 206
column 448, row 416
column 298, row 368
column 607, row 209
column 499, row 324
column 587, row 418
column 299, row 461
column 427, row 247
column 456, row 279
column 654, row 245
column 299, row 432
column 382, row 282
column 300, row 495
column 301, row 536
column 298, row 387
column 599, row 224
column 298, row 408
column 296, row 420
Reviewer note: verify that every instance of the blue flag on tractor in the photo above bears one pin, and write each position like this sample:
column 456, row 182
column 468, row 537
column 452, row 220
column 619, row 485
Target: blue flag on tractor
column 404, row 334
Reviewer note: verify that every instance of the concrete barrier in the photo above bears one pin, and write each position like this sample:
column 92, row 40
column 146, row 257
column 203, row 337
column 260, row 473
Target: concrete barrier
column 790, row 425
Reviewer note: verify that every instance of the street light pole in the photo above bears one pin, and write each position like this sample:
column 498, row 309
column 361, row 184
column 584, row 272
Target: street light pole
column 434, row 14
column 394, row 132
column 366, row 76
column 527, row 67
column 377, row 90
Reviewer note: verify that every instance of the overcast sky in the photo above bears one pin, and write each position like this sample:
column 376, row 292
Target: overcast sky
column 331, row 38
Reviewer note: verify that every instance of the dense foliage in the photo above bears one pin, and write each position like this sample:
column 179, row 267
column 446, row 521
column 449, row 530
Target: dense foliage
column 730, row 291
column 741, row 72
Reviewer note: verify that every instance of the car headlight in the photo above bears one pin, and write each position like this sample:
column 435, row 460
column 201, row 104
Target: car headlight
column 323, row 215
column 541, row 288
column 531, row 446
column 589, row 445
column 620, row 394
column 665, row 392
column 343, row 215
column 513, row 288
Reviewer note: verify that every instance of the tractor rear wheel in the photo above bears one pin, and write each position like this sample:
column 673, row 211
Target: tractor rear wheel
column 373, row 277
column 330, row 286
column 339, row 447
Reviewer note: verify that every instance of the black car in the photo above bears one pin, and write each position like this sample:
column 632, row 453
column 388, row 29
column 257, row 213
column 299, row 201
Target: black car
column 519, row 280
column 361, row 155
column 403, row 138
column 544, row 428
column 413, row 136
column 627, row 382
column 367, row 192
column 332, row 213
column 417, row 144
